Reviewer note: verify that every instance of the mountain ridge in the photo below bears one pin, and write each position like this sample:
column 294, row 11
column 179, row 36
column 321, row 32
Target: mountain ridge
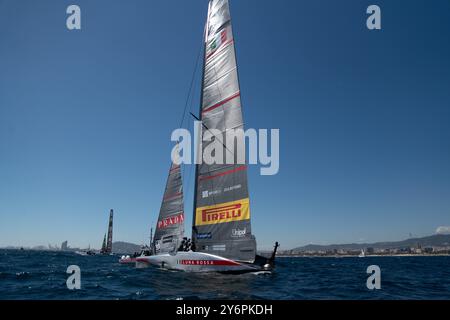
column 122, row 247
column 433, row 240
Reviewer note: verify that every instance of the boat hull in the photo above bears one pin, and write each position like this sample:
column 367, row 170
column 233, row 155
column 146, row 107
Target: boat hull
column 198, row 262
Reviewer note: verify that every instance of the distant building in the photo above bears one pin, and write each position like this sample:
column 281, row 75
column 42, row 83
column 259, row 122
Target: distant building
column 428, row 250
column 405, row 250
column 64, row 246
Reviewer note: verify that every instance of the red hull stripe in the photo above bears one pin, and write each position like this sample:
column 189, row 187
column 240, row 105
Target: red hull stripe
column 201, row 178
column 209, row 262
column 237, row 94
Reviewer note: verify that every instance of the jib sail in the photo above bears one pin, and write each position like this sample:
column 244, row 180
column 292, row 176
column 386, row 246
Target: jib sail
column 170, row 226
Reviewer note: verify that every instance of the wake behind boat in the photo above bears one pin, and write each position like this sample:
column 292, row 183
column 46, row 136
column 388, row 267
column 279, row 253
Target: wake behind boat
column 362, row 254
column 85, row 253
column 221, row 233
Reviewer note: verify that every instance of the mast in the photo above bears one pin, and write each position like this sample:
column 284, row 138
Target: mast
column 194, row 230
column 151, row 236
column 110, row 232
column 221, row 223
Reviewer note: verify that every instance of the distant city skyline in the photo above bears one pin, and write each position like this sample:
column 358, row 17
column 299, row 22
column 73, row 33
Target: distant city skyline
column 66, row 246
column 86, row 117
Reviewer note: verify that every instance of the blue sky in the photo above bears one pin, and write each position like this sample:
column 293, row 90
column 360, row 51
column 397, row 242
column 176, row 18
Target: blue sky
column 86, row 117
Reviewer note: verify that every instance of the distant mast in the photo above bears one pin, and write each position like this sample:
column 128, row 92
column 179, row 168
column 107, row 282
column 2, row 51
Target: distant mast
column 110, row 233
column 151, row 236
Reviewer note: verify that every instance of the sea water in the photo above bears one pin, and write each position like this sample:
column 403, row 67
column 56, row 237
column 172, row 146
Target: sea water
column 42, row 275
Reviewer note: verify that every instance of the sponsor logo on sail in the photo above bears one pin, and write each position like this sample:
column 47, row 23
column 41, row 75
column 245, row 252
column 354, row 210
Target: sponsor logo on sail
column 170, row 221
column 207, row 193
column 224, row 212
column 226, row 189
column 204, row 235
column 238, row 233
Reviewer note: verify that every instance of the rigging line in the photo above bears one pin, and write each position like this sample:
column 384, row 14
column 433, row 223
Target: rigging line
column 189, row 98
column 187, row 182
column 207, row 129
column 190, row 87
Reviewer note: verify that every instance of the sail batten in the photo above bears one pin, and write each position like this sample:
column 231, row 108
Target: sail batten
column 221, row 223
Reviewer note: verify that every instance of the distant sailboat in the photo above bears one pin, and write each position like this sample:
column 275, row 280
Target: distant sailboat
column 221, row 232
column 86, row 252
column 107, row 242
column 362, row 254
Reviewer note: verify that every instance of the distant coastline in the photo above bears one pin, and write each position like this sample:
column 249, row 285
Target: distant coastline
column 434, row 245
column 119, row 247
column 267, row 254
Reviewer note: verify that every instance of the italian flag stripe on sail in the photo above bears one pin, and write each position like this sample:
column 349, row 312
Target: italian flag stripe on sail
column 220, row 39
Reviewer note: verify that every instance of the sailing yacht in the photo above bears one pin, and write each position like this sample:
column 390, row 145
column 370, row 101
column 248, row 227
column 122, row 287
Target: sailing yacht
column 107, row 240
column 222, row 240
